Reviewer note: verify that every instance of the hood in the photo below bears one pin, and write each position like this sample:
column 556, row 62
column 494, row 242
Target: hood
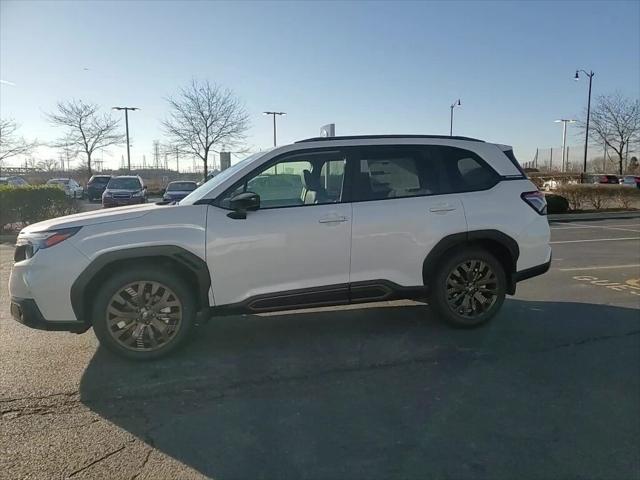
column 92, row 218
column 178, row 193
column 123, row 190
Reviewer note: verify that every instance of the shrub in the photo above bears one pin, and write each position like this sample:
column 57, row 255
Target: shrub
column 32, row 204
column 556, row 203
column 599, row 196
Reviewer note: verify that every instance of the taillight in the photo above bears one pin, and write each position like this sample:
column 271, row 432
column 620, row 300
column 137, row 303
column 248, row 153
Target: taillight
column 536, row 201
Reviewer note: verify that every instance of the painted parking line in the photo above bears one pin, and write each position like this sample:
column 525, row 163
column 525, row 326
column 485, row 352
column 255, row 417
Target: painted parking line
column 595, row 240
column 570, row 226
column 600, row 267
column 622, row 228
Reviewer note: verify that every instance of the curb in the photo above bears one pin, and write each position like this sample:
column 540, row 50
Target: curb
column 573, row 217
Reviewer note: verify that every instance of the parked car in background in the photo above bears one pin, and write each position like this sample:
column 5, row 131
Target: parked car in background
column 124, row 190
column 13, row 181
column 549, row 185
column 453, row 220
column 601, row 178
column 96, row 186
column 177, row 190
column 630, row 181
column 72, row 189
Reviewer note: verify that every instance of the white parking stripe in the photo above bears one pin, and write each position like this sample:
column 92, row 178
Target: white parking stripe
column 601, row 267
column 606, row 227
column 595, row 240
column 571, row 226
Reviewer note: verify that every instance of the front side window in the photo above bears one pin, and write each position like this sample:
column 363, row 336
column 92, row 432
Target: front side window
column 301, row 179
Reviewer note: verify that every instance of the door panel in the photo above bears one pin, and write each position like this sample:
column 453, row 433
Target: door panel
column 392, row 237
column 277, row 250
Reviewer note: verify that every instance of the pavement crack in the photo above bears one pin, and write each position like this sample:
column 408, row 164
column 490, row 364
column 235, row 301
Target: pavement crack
column 104, row 457
column 588, row 340
column 144, row 463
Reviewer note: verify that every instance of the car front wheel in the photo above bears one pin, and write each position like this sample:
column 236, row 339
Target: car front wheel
column 469, row 288
column 143, row 314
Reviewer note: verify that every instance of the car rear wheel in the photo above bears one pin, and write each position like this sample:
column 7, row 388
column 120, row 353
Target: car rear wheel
column 143, row 314
column 469, row 288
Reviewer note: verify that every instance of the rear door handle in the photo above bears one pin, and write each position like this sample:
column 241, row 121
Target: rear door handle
column 442, row 208
column 333, row 219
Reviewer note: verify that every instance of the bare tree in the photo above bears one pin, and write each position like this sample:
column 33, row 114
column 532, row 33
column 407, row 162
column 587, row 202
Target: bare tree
column 11, row 145
column 204, row 118
column 47, row 165
column 85, row 128
column 615, row 121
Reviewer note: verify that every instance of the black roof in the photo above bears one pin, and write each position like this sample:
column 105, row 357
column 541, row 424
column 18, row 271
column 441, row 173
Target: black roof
column 371, row 137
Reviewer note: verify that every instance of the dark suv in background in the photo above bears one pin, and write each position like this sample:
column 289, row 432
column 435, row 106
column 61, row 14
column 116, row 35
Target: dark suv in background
column 177, row 190
column 124, row 190
column 96, row 186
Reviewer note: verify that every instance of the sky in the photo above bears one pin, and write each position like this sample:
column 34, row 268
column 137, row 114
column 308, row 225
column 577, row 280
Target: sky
column 368, row 67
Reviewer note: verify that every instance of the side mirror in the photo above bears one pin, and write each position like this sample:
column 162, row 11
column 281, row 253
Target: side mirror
column 242, row 203
column 144, row 188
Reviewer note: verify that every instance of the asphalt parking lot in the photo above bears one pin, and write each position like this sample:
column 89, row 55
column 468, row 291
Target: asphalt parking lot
column 550, row 389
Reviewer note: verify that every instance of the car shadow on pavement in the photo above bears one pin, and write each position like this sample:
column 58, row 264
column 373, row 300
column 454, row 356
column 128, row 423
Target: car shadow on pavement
column 389, row 392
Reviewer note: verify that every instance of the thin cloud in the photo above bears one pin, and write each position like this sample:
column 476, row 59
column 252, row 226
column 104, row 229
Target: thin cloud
column 7, row 82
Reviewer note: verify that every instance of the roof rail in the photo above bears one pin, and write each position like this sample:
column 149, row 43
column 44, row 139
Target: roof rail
column 371, row 137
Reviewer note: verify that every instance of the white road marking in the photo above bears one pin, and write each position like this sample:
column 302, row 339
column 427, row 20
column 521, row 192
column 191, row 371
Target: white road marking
column 601, row 267
column 606, row 227
column 595, row 240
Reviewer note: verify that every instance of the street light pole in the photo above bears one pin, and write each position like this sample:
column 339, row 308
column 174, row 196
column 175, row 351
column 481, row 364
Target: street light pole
column 126, row 123
column 453, row 105
column 586, row 135
column 274, row 123
column 564, row 139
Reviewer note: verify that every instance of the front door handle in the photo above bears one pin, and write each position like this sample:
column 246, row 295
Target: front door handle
column 333, row 219
column 442, row 208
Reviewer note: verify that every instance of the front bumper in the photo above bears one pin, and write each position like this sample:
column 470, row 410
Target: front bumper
column 26, row 312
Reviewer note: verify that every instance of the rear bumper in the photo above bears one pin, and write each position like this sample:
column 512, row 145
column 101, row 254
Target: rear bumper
column 26, row 312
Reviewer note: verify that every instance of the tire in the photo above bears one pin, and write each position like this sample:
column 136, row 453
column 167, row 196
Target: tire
column 169, row 328
column 460, row 298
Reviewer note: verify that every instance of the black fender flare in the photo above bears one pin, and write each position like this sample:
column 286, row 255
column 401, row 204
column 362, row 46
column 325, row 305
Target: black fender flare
column 435, row 255
column 188, row 260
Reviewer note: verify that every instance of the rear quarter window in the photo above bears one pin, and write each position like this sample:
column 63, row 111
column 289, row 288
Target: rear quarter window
column 466, row 171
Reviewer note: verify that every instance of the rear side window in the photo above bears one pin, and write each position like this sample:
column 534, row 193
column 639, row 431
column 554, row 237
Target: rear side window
column 396, row 172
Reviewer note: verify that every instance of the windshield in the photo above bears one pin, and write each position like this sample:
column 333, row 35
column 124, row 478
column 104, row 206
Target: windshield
column 100, row 180
column 181, row 186
column 212, row 183
column 124, row 184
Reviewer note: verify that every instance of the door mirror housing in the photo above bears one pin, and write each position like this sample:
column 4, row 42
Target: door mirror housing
column 243, row 203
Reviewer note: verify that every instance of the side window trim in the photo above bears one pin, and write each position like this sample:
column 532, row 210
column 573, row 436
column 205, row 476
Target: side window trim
column 218, row 201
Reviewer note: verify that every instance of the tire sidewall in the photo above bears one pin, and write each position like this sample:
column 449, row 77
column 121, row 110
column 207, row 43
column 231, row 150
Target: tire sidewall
column 439, row 292
column 145, row 273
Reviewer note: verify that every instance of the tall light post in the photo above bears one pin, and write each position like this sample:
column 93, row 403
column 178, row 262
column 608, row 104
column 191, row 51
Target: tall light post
column 586, row 135
column 126, row 123
column 453, row 105
column 564, row 139
column 274, row 123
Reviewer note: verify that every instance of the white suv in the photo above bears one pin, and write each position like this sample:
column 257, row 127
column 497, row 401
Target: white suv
column 324, row 221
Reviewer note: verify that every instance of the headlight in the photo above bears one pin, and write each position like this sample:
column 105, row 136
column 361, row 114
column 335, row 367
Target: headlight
column 138, row 194
column 30, row 243
column 107, row 193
